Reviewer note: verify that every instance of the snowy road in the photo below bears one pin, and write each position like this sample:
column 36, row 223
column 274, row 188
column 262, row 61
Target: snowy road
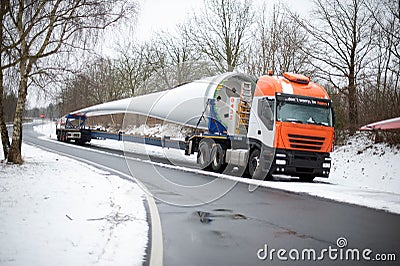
column 225, row 224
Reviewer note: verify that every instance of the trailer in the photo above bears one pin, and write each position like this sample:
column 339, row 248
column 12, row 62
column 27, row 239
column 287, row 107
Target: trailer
column 73, row 128
column 257, row 128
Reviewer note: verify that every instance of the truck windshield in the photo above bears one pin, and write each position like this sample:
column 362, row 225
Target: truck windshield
column 305, row 114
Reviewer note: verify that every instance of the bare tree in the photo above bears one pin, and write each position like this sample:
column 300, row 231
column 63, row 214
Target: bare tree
column 178, row 60
column 136, row 64
column 99, row 80
column 176, row 56
column 342, row 35
column 386, row 14
column 105, row 82
column 4, row 9
column 221, row 31
column 276, row 43
column 35, row 30
column 380, row 92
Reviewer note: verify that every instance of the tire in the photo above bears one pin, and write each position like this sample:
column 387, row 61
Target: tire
column 204, row 154
column 217, row 159
column 252, row 163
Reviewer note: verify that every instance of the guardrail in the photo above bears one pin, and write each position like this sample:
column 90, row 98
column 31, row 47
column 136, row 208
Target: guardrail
column 164, row 142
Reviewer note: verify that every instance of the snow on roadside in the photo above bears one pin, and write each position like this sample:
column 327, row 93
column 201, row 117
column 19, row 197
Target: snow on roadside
column 57, row 211
column 363, row 173
column 361, row 163
column 46, row 128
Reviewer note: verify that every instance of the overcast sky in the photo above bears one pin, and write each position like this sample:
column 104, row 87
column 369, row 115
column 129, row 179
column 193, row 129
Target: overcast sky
column 165, row 14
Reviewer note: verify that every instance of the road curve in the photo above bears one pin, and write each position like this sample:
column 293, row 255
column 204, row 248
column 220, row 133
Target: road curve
column 219, row 222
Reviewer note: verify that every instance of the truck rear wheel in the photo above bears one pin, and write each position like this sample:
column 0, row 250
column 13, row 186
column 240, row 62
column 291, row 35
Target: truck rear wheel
column 65, row 137
column 204, row 154
column 218, row 159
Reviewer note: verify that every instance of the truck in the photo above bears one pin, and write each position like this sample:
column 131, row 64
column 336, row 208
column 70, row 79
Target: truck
column 284, row 126
column 252, row 128
column 72, row 127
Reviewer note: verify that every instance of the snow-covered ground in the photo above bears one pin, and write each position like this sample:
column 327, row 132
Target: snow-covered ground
column 365, row 164
column 57, row 211
column 159, row 130
column 363, row 173
column 171, row 130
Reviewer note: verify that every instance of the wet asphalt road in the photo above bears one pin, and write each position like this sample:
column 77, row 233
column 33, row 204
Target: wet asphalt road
column 209, row 221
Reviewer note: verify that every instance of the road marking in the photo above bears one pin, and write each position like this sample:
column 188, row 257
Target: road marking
column 168, row 166
column 156, row 253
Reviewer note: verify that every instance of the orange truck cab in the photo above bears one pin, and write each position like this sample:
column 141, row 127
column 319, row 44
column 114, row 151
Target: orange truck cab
column 291, row 125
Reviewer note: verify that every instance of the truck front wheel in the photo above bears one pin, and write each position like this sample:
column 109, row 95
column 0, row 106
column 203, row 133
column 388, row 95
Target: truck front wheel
column 252, row 164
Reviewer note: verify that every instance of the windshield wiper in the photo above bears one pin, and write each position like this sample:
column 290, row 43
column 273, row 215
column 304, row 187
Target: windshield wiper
column 318, row 123
column 294, row 120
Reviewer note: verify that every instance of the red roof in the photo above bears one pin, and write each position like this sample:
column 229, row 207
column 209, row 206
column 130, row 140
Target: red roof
column 393, row 123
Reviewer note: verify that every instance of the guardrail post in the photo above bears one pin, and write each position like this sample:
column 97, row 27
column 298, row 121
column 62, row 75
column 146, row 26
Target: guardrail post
column 164, row 140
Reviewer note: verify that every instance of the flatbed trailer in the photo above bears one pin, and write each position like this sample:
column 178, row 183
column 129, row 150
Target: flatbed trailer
column 164, row 142
column 73, row 127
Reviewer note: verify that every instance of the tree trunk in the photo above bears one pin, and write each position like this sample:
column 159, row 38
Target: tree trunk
column 14, row 154
column 25, row 66
column 353, row 104
column 3, row 128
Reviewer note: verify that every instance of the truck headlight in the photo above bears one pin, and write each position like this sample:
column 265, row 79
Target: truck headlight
column 326, row 165
column 280, row 162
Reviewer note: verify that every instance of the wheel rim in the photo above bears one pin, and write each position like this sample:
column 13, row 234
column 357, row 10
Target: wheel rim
column 216, row 159
column 254, row 162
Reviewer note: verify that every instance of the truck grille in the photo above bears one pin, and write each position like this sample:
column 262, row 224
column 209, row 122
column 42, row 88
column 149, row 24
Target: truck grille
column 306, row 142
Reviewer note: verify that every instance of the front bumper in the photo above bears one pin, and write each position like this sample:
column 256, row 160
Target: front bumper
column 300, row 163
